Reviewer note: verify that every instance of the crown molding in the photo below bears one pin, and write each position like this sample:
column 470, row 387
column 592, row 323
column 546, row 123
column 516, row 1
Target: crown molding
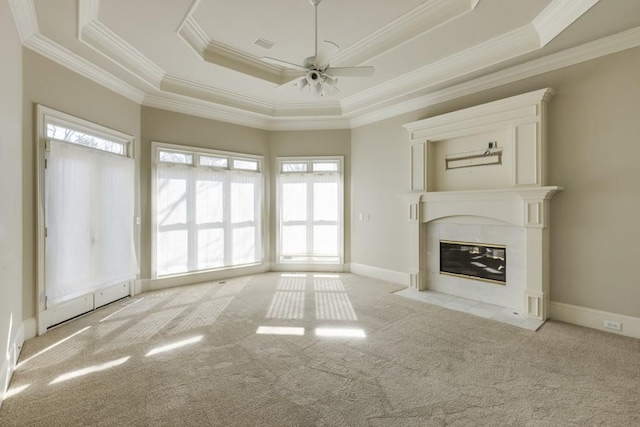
column 95, row 34
column 25, row 17
column 606, row 46
column 384, row 101
column 185, row 105
column 209, row 110
column 63, row 56
column 556, row 17
column 226, row 56
column 195, row 36
column 182, row 86
column 418, row 21
column 491, row 52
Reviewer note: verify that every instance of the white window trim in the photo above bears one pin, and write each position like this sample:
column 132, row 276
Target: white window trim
column 320, row 266
column 159, row 282
column 45, row 115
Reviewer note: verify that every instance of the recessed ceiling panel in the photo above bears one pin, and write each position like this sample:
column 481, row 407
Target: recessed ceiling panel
column 290, row 23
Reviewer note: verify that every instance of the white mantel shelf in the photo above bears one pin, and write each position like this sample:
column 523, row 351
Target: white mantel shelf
column 524, row 207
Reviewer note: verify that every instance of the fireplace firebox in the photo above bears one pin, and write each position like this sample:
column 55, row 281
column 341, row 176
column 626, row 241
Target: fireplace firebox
column 478, row 261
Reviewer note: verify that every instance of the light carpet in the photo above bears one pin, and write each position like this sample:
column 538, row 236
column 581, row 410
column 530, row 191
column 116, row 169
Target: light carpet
column 332, row 350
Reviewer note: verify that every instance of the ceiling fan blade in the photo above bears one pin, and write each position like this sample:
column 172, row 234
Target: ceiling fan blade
column 292, row 82
column 280, row 63
column 351, row 71
column 326, row 52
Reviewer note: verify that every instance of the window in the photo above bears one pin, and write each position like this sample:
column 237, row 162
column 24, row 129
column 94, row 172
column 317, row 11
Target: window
column 310, row 210
column 208, row 214
column 64, row 132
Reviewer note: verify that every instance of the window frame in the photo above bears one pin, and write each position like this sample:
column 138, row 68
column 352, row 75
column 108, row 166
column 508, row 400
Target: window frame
column 309, row 160
column 196, row 153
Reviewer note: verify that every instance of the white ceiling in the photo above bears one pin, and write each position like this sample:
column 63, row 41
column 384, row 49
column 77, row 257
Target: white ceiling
column 198, row 57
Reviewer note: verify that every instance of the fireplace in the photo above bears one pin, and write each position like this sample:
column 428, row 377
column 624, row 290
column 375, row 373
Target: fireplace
column 478, row 261
column 504, row 204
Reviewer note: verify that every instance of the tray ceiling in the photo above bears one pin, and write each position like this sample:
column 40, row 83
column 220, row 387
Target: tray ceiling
column 200, row 57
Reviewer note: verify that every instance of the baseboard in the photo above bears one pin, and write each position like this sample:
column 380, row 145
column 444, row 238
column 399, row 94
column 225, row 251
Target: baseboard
column 30, row 328
column 380, row 273
column 207, row 276
column 320, row 268
column 591, row 318
column 8, row 364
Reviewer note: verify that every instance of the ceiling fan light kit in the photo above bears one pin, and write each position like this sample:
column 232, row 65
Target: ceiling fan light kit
column 319, row 77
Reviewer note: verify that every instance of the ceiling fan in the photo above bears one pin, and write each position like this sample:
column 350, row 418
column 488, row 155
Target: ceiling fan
column 319, row 77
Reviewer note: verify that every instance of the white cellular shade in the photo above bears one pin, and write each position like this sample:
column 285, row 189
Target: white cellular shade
column 325, row 240
column 294, row 201
column 325, row 201
column 209, row 201
column 294, row 240
column 89, row 219
column 172, row 198
column 242, row 201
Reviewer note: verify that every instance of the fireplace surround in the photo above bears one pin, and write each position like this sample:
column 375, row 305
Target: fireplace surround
column 482, row 201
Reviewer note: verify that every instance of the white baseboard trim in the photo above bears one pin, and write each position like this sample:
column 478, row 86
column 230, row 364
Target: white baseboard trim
column 207, row 276
column 592, row 318
column 30, row 325
column 321, row 268
column 380, row 273
column 10, row 361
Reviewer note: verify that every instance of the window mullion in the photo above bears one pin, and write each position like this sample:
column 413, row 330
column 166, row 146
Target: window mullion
column 228, row 226
column 192, row 229
column 310, row 218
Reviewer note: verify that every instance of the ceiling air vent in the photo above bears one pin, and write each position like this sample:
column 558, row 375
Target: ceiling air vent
column 265, row 44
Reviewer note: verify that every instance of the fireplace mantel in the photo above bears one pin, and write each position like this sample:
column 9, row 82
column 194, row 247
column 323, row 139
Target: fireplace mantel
column 499, row 189
column 524, row 207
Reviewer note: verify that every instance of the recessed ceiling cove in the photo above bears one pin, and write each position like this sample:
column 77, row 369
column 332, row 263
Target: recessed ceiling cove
column 201, row 57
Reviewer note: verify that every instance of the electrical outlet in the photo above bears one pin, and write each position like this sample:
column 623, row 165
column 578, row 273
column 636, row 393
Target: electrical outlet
column 611, row 324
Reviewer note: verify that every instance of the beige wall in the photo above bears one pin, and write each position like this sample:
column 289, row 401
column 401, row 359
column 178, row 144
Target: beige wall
column 312, row 143
column 593, row 136
column 10, row 187
column 54, row 86
column 175, row 128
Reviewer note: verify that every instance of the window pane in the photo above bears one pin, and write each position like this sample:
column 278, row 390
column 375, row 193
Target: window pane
column 242, row 202
column 325, row 201
column 325, row 240
column 325, row 166
column 172, row 252
column 75, row 137
column 174, row 157
column 250, row 165
column 172, row 200
column 294, row 167
column 294, row 239
column 294, row 202
column 209, row 202
column 244, row 245
column 210, row 248
column 219, row 162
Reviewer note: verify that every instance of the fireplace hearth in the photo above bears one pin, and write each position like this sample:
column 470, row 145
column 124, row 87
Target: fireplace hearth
column 476, row 261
